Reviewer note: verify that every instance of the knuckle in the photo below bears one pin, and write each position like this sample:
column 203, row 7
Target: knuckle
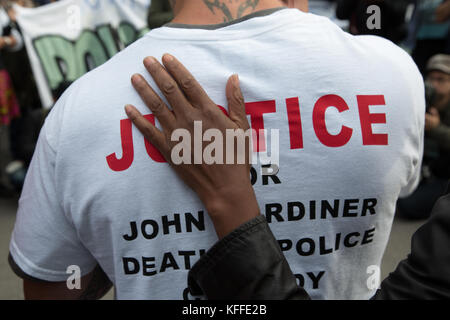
column 187, row 83
column 208, row 113
column 168, row 87
column 238, row 98
column 158, row 106
column 189, row 119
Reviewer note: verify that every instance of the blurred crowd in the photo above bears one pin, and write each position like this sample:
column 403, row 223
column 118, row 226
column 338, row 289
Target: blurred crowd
column 420, row 26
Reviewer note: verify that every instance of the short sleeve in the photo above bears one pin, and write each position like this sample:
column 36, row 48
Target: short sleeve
column 44, row 242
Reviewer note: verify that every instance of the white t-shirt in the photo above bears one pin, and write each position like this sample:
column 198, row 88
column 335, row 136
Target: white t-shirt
column 343, row 163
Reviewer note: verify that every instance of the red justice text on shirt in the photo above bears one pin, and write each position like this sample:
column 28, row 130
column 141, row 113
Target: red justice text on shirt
column 257, row 110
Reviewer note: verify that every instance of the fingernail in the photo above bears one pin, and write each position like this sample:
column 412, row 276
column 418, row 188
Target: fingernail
column 168, row 58
column 236, row 79
column 136, row 78
column 149, row 61
column 128, row 109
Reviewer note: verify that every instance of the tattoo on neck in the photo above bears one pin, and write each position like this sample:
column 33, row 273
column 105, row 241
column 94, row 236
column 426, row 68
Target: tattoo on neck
column 211, row 4
column 246, row 5
column 223, row 7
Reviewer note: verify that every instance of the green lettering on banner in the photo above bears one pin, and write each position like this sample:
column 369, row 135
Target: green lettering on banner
column 127, row 33
column 63, row 60
column 89, row 45
column 52, row 51
column 106, row 34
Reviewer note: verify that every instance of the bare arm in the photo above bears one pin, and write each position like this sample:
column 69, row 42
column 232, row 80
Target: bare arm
column 93, row 286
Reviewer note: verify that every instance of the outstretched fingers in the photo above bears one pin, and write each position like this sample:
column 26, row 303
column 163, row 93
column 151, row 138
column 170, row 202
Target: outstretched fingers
column 168, row 86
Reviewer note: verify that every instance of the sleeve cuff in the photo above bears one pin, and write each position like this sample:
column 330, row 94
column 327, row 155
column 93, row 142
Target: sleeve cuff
column 26, row 269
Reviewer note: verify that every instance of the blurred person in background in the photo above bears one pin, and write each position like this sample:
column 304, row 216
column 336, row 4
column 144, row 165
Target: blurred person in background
column 24, row 130
column 159, row 14
column 429, row 31
column 392, row 17
column 436, row 163
column 10, row 40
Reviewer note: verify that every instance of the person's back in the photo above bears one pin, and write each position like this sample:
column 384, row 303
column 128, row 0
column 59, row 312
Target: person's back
column 96, row 193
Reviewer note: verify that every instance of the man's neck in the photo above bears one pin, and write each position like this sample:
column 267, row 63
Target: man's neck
column 204, row 12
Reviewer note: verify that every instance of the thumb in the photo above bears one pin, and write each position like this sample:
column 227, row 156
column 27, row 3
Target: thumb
column 236, row 103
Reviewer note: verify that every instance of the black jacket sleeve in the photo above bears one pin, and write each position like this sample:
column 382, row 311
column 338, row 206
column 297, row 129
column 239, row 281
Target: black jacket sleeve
column 425, row 274
column 248, row 264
